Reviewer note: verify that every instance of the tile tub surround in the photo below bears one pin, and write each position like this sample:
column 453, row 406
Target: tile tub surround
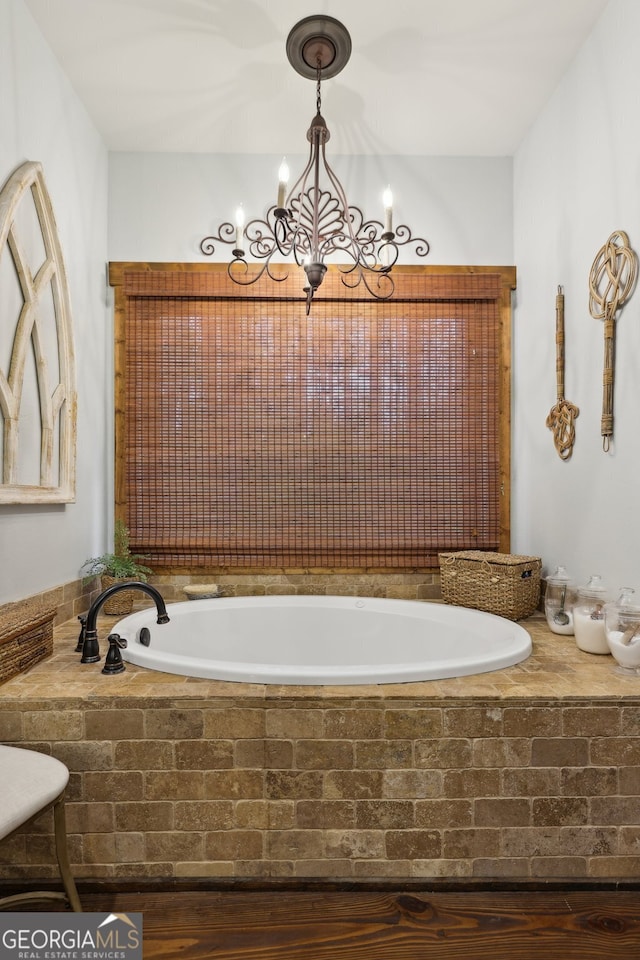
column 394, row 586
column 529, row 772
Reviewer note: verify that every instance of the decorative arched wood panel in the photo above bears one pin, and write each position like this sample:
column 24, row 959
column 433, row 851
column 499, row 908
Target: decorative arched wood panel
column 37, row 364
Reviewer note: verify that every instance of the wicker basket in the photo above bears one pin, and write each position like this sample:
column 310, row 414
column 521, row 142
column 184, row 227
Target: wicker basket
column 120, row 604
column 26, row 636
column 500, row 583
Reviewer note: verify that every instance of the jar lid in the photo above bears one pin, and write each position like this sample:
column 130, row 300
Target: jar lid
column 559, row 575
column 629, row 609
column 626, row 597
column 594, row 587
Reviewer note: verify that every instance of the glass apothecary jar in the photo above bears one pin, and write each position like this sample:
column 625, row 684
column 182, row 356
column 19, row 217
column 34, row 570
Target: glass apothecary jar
column 588, row 616
column 559, row 598
column 622, row 629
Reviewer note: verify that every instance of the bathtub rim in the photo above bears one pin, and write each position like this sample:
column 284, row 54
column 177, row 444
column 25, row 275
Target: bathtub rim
column 518, row 649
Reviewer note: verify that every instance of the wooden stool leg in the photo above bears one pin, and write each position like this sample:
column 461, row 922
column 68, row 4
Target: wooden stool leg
column 60, row 831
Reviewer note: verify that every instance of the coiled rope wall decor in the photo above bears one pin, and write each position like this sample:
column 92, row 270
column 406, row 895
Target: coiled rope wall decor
column 562, row 414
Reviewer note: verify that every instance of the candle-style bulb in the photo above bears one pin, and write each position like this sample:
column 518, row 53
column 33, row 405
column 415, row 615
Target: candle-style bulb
column 283, row 180
column 239, row 227
column 387, row 202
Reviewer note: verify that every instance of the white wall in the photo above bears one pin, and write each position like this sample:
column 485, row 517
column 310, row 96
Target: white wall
column 42, row 119
column 162, row 205
column 576, row 180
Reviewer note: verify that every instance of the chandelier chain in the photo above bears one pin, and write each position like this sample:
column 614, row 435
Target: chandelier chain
column 318, row 82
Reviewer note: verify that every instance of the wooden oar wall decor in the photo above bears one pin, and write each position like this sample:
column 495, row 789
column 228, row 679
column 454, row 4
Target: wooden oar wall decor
column 611, row 283
column 562, row 415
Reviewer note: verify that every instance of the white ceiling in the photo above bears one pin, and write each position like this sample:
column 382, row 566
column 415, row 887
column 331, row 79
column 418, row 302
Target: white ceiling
column 426, row 77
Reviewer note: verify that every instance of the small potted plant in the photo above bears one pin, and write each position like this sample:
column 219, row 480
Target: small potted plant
column 121, row 565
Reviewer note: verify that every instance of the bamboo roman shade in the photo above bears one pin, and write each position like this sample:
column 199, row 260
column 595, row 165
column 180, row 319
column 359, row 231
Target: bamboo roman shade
column 365, row 435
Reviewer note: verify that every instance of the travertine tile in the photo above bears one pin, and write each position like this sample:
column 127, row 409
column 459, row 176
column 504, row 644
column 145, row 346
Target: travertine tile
column 440, row 868
column 413, row 844
column 325, row 814
column 172, row 846
column 138, row 817
column 411, row 784
column 270, row 754
column 444, row 753
column 529, row 721
column 525, row 782
column 176, row 724
column 353, row 724
column 594, row 781
column 383, row 754
column 614, row 810
column 111, row 785
column 174, row 785
column 443, row 813
column 384, row 814
column 203, row 754
column 324, row 755
column 293, row 784
column 294, row 724
column 629, row 781
column 53, row 725
column 614, row 867
column 473, row 722
column 502, row 812
column 533, row 771
column 109, row 724
column 130, row 847
column 471, row 783
column 99, row 847
column 333, row 869
column 233, row 723
column 295, row 844
column 559, row 752
column 234, row 845
column 559, row 811
column 560, row 867
column 591, row 721
column 80, row 755
column 621, row 751
column 357, row 784
column 388, row 869
column 90, row 817
column 144, row 755
column 234, row 784
column 413, row 724
column 356, row 844
column 203, row 815
column 510, row 867
column 470, row 844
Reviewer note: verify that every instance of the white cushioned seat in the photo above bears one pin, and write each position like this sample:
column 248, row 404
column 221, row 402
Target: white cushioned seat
column 30, row 783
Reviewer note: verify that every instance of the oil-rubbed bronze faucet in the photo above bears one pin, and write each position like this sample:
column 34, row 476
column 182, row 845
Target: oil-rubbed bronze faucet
column 90, row 647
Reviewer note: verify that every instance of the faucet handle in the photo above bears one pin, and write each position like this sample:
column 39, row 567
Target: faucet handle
column 113, row 660
column 83, row 623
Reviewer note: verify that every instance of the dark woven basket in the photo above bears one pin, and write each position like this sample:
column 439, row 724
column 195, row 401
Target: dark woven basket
column 26, row 636
column 501, row 583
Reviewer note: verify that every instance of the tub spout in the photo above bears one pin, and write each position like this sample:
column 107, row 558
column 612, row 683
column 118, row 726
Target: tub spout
column 90, row 647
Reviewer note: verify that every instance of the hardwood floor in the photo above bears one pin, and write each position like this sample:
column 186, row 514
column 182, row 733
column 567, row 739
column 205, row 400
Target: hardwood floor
column 382, row 925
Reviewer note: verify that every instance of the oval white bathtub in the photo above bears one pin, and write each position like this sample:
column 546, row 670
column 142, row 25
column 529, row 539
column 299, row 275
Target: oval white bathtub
column 322, row 640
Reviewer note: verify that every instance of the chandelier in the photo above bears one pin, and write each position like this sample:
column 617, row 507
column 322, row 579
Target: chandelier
column 314, row 220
